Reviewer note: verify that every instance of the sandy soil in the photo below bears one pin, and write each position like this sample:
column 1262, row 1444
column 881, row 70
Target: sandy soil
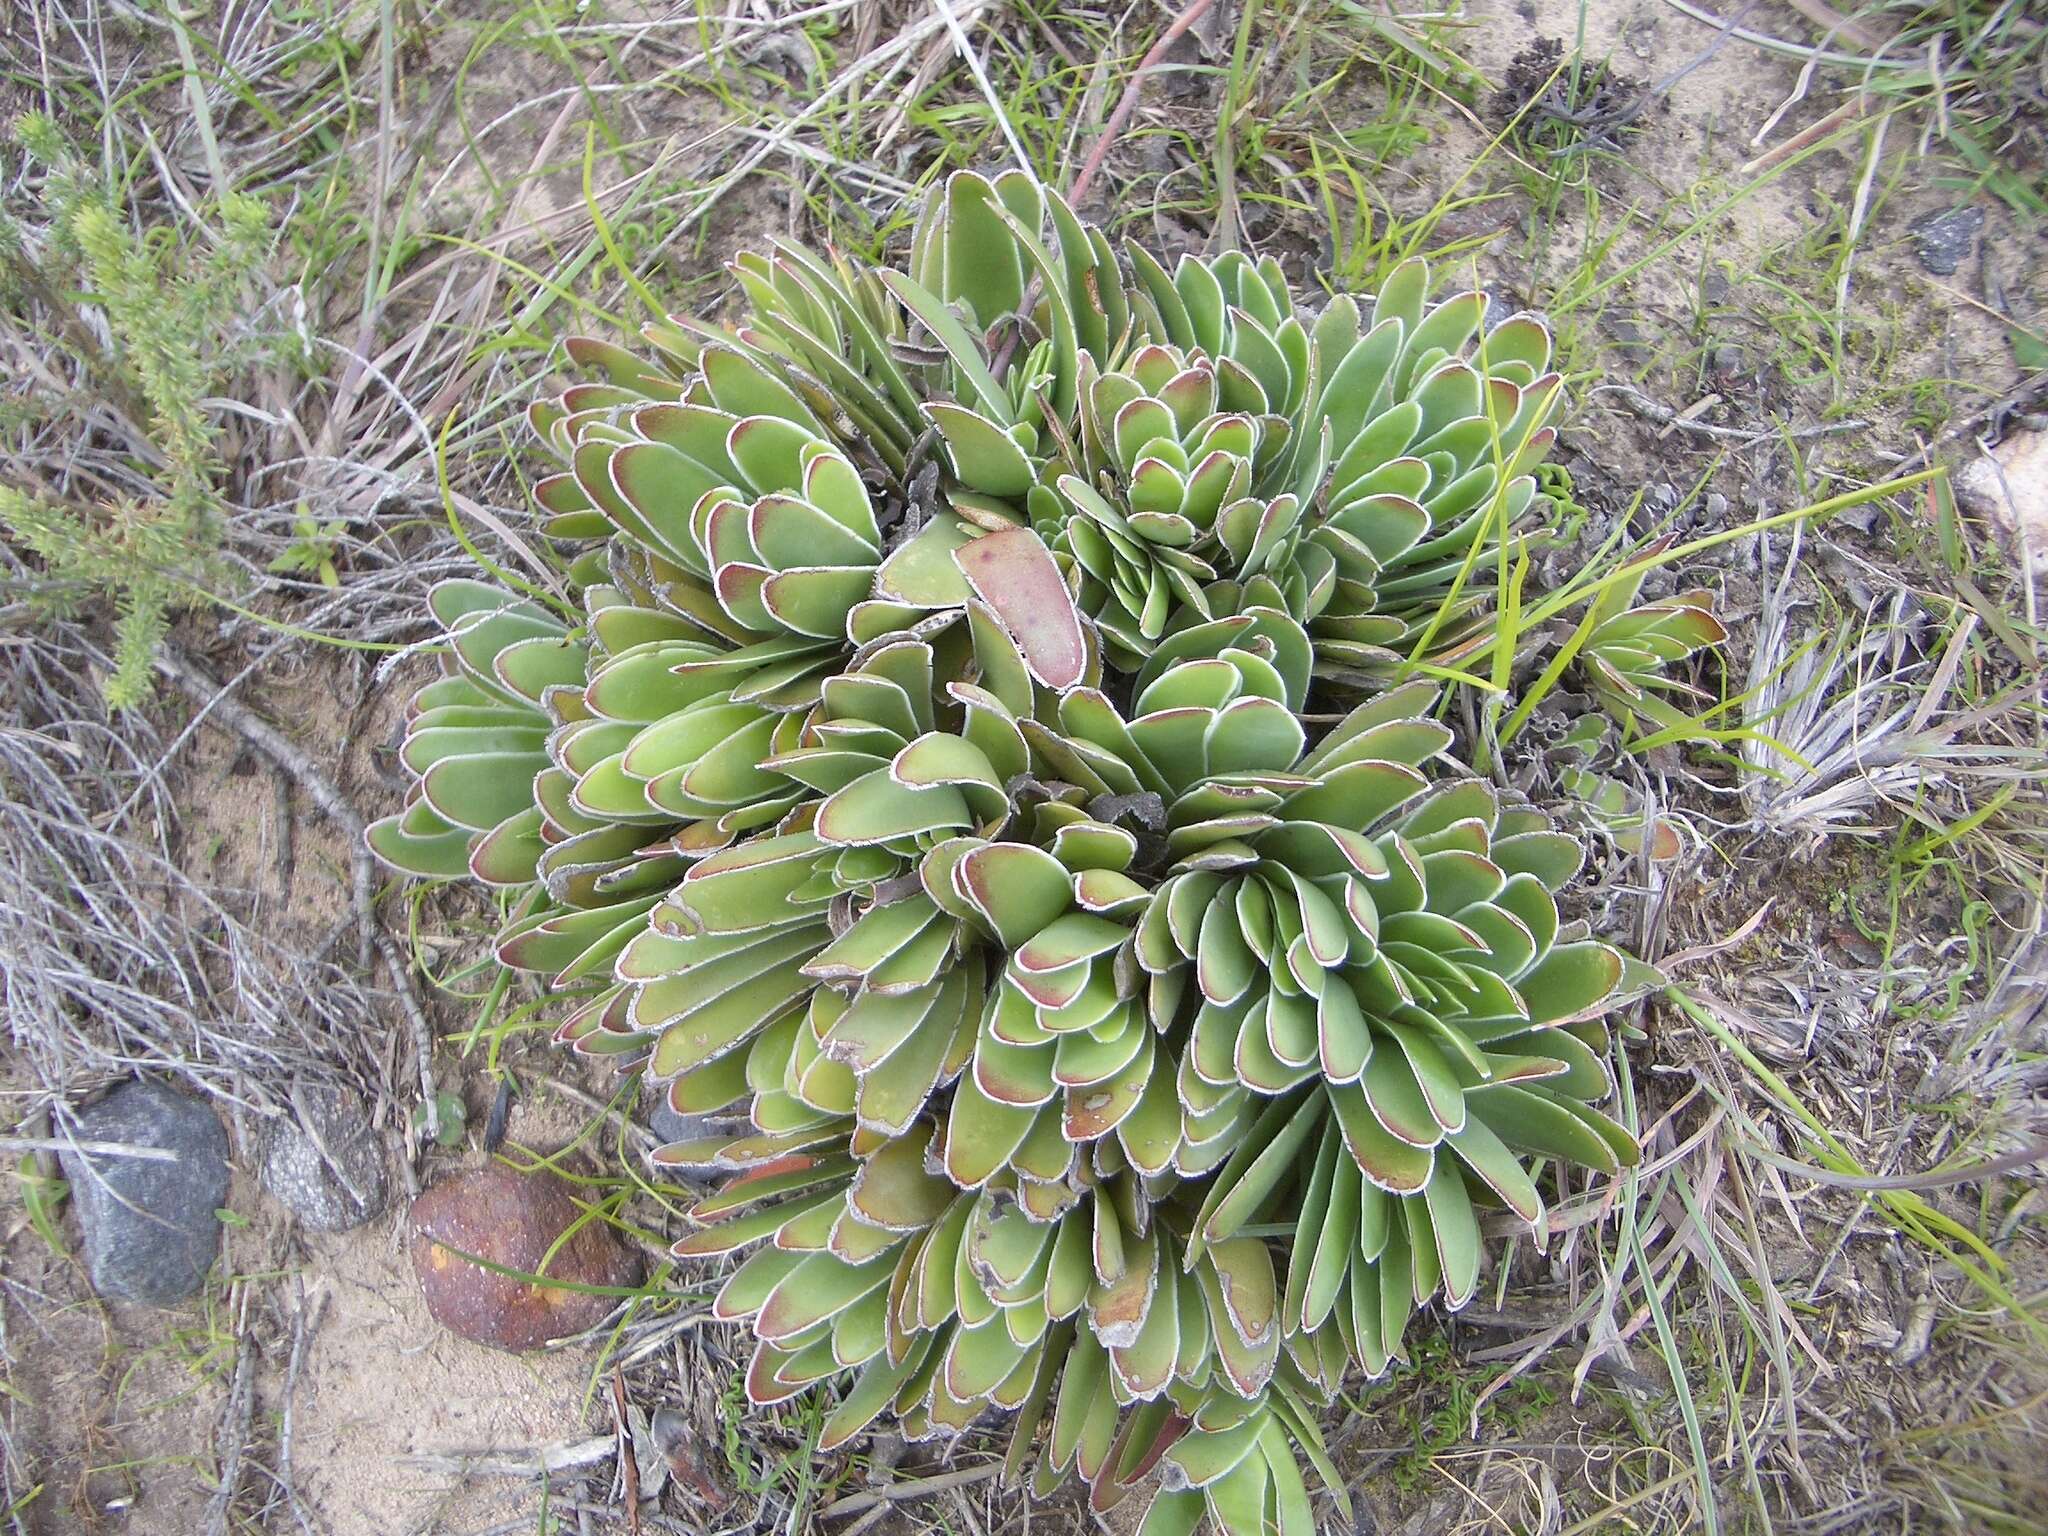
column 395, row 1424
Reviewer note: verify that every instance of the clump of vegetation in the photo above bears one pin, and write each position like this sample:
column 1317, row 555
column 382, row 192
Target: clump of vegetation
column 990, row 737
column 151, row 319
column 1570, row 107
column 1977, row 69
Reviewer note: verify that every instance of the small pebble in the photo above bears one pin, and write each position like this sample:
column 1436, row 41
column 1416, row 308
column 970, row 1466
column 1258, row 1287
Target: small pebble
column 327, row 1168
column 1629, row 339
column 1944, row 239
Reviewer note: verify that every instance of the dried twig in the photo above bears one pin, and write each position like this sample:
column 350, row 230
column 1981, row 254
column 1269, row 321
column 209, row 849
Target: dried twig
column 422, row 1032
column 1665, row 417
column 90, row 1148
column 234, row 1436
column 535, row 1461
column 916, row 1488
column 302, row 1330
column 1940, row 1178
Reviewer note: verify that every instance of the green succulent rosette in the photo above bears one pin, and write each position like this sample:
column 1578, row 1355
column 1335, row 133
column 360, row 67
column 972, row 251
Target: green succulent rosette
column 972, row 745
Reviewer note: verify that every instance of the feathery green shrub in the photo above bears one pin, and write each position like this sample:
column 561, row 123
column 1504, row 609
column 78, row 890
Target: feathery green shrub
column 991, row 746
column 168, row 305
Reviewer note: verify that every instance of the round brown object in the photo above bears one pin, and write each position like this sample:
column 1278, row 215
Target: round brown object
column 512, row 1219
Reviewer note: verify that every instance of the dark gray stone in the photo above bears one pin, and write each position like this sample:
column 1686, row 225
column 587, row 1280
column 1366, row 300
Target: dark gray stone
column 149, row 1227
column 324, row 1163
column 1944, row 239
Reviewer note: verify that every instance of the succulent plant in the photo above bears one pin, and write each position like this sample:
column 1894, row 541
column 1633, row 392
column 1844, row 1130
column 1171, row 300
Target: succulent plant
column 988, row 753
column 1627, row 654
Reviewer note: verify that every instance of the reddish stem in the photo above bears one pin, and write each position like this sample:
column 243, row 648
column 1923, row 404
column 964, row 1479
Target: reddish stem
column 1128, row 102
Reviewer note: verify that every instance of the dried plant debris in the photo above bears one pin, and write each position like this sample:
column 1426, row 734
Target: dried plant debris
column 111, row 953
column 1564, row 107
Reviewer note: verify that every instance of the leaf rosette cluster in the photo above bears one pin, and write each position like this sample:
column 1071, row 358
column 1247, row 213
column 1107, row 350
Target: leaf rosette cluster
column 987, row 751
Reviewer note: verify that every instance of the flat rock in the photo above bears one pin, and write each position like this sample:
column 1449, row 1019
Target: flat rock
column 512, row 1219
column 324, row 1163
column 150, row 1229
column 2009, row 486
column 1944, row 239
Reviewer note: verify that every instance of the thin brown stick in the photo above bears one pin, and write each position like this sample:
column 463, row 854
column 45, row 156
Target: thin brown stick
column 1662, row 415
column 234, row 1436
column 1127, row 103
column 422, row 1032
column 1078, row 188
column 302, row 1329
column 1856, row 106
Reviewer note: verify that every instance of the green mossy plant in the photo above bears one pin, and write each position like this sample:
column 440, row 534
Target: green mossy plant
column 990, row 743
